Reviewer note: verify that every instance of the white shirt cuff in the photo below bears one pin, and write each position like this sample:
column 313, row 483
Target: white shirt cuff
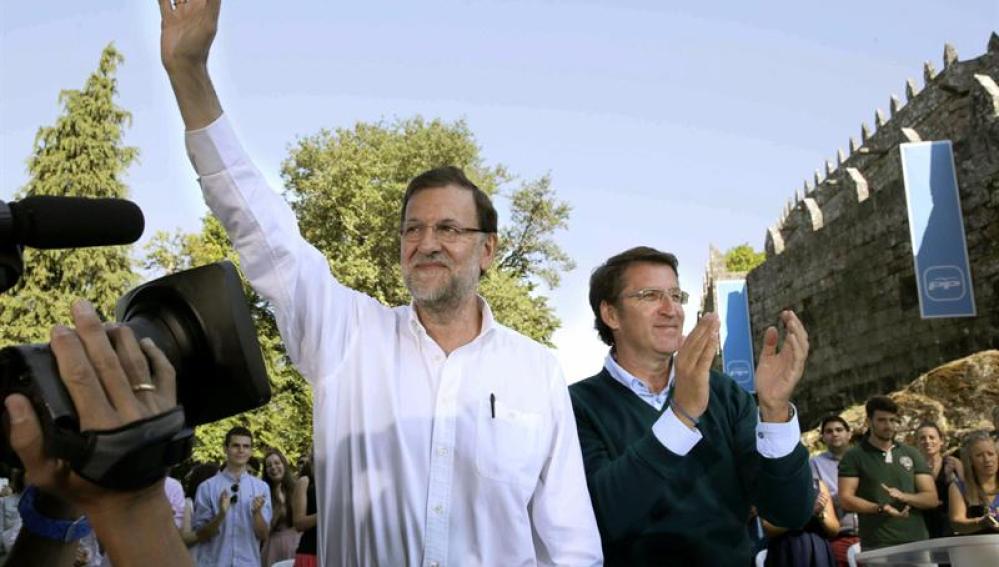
column 776, row 440
column 674, row 435
column 213, row 148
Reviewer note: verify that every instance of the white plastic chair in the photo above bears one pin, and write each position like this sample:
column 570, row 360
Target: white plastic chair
column 851, row 554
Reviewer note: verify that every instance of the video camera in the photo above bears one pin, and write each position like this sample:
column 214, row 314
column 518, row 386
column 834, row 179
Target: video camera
column 199, row 318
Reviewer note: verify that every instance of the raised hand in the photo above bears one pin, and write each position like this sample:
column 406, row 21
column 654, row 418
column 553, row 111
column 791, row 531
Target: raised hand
column 777, row 374
column 693, row 364
column 224, row 501
column 187, row 31
column 258, row 503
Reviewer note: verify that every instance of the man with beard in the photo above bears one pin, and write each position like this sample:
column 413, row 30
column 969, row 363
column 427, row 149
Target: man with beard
column 887, row 484
column 441, row 436
column 675, row 453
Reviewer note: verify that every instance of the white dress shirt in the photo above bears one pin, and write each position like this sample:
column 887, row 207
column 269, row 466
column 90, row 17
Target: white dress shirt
column 422, row 458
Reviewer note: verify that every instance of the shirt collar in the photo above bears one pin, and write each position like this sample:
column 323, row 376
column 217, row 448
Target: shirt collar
column 488, row 321
column 629, row 380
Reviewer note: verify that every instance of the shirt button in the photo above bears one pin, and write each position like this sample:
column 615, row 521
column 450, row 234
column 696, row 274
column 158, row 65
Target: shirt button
column 438, row 509
column 442, row 451
column 760, row 435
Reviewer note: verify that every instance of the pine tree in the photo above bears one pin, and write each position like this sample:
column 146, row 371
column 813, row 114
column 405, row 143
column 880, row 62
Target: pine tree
column 80, row 155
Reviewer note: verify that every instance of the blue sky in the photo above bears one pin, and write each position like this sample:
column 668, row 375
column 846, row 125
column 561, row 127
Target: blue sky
column 673, row 126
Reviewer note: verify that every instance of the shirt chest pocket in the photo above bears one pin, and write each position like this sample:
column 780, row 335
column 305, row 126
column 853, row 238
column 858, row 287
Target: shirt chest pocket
column 507, row 443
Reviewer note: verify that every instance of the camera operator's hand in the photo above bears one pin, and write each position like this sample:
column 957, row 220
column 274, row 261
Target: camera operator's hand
column 108, row 375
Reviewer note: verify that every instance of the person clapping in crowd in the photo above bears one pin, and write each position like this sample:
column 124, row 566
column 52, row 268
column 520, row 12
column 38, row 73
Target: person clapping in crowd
column 886, row 483
column 945, row 469
column 304, row 515
column 283, row 539
column 975, row 510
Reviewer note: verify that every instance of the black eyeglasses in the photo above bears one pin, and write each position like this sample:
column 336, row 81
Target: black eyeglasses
column 446, row 233
column 235, row 493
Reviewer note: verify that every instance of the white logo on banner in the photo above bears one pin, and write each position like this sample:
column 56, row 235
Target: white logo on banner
column 944, row 283
column 738, row 369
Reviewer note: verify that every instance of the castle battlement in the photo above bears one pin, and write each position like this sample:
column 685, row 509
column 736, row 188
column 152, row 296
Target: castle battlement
column 927, row 114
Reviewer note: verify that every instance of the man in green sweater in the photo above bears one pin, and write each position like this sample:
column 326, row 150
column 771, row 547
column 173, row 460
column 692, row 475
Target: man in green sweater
column 675, row 453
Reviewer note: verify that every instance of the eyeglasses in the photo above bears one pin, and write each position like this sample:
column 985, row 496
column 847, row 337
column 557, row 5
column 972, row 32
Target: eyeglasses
column 656, row 295
column 444, row 232
column 235, row 493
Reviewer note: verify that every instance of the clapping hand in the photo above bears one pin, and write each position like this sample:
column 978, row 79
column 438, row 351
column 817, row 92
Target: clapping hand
column 778, row 373
column 258, row 503
column 895, row 512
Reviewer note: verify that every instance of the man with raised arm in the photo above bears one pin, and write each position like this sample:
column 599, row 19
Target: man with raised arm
column 441, row 436
column 675, row 453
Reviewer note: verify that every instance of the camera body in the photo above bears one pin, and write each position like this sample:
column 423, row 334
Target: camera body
column 200, row 319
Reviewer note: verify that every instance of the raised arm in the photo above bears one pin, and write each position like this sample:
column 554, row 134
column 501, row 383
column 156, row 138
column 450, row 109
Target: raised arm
column 188, row 29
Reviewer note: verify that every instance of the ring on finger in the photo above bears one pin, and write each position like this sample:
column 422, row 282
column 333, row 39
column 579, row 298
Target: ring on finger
column 144, row 387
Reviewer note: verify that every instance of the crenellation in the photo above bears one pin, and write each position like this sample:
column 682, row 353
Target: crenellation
column 910, row 135
column 993, row 46
column 774, row 243
column 894, row 104
column 949, row 55
column 929, row 73
column 856, row 184
column 814, row 214
column 911, row 90
column 842, row 257
column 990, row 90
column 879, row 118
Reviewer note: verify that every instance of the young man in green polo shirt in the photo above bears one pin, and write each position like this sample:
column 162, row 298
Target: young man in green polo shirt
column 887, row 483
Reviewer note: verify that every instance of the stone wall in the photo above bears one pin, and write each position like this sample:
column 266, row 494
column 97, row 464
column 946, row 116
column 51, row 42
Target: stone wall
column 841, row 257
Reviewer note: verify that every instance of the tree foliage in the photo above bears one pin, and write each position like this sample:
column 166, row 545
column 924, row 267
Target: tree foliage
column 346, row 189
column 743, row 258
column 80, row 155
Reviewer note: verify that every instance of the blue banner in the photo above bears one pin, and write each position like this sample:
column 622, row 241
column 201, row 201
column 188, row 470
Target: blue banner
column 735, row 333
column 939, row 250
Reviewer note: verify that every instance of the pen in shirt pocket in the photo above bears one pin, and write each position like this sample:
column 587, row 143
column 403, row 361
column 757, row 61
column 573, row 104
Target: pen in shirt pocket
column 492, row 405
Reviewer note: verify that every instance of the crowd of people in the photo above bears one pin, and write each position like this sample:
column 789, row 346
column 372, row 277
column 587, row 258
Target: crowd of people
column 876, row 491
column 443, row 437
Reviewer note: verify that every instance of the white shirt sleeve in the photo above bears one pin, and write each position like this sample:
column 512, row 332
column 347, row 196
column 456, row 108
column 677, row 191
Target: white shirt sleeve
column 776, row 440
column 314, row 312
column 674, row 435
column 565, row 528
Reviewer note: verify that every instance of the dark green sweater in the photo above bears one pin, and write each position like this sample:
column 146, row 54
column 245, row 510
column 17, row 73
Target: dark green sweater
column 654, row 507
